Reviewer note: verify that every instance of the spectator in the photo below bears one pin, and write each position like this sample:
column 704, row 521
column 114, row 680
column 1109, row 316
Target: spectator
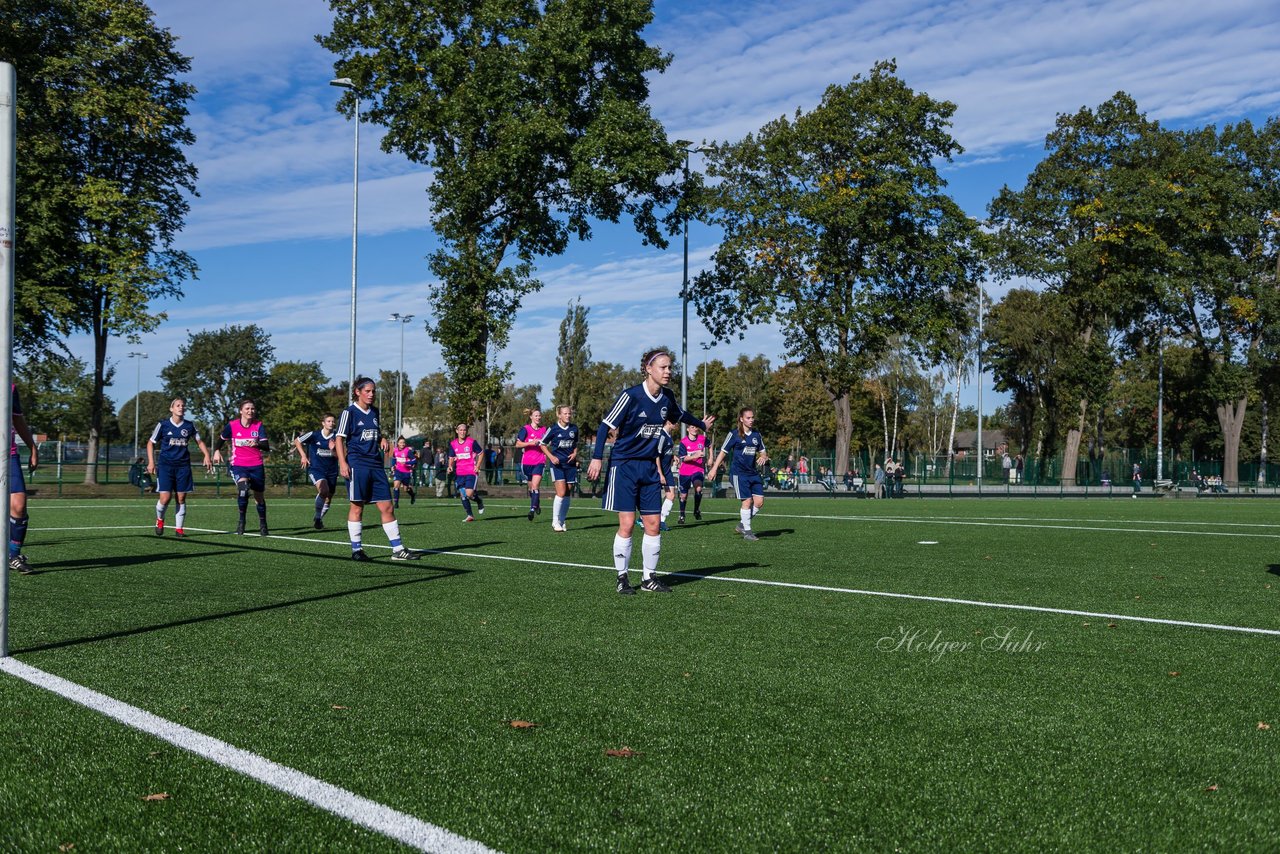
column 499, row 460
column 899, row 474
column 1018, row 464
column 1006, row 463
column 442, row 476
column 1137, row 479
column 878, row 478
column 802, row 469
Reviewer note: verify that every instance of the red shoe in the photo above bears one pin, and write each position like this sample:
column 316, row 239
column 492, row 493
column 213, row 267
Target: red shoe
column 159, row 527
column 469, row 519
column 177, row 532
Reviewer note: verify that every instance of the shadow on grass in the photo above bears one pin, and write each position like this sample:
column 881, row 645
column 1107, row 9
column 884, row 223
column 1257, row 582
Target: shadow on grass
column 124, row 560
column 675, row 579
column 1274, row 569
column 436, row 575
column 777, row 532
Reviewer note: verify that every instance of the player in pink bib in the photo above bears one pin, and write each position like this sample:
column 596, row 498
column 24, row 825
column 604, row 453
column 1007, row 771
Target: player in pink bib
column 693, row 470
column 248, row 440
column 534, row 459
column 403, row 459
column 464, row 459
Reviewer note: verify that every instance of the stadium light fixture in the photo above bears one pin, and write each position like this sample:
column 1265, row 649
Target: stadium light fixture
column 403, row 320
column 136, row 400
column 346, row 83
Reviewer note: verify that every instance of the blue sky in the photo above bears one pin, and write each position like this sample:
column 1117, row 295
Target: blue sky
column 271, row 229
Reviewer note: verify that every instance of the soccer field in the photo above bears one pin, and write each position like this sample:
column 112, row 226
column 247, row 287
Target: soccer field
column 870, row 675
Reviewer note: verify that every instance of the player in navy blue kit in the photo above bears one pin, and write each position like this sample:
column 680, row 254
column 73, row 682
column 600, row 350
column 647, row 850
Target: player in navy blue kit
column 173, row 477
column 318, row 453
column 745, row 449
column 634, row 486
column 560, row 444
column 17, row 485
column 361, row 449
column 668, row 449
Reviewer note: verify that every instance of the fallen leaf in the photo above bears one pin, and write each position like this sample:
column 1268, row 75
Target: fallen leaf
column 158, row 796
column 623, row 752
column 1263, row 725
column 67, row 846
column 153, row 754
column 987, row 557
column 686, row 674
column 1159, row 577
column 1084, row 624
column 1174, row 673
column 1111, row 625
column 339, row 708
column 523, row 724
column 1212, row 788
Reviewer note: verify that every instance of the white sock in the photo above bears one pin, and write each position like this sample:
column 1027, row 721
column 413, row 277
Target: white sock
column 666, row 508
column 621, row 553
column 180, row 516
column 650, row 548
column 323, row 510
column 564, row 511
column 392, row 530
column 160, row 508
column 353, row 531
column 556, row 503
column 745, row 516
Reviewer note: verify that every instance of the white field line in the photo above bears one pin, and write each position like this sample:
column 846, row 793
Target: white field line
column 340, row 802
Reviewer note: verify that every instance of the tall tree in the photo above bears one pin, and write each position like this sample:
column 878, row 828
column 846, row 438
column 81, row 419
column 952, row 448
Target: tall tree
column 836, row 225
column 532, row 117
column 295, row 400
column 103, row 179
column 428, row 409
column 574, row 355
column 56, row 394
column 152, row 407
column 217, row 369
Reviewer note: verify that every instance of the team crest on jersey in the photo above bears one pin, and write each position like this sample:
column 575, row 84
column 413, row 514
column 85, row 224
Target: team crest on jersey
column 663, row 413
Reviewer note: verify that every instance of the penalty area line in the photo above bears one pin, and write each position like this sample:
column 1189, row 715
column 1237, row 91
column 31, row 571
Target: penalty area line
column 332, row 799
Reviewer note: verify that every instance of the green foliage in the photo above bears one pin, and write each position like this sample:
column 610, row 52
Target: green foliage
column 153, row 407
column 103, row 180
column 836, row 225
column 507, row 413
column 216, row 369
column 428, row 408
column 602, row 382
column 572, row 356
column 295, row 400
column 533, row 120
column 56, row 394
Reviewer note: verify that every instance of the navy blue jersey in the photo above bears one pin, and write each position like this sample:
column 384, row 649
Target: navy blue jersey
column 666, row 455
column 638, row 419
column 561, row 440
column 742, row 451
column 171, row 442
column 363, row 435
column 321, row 457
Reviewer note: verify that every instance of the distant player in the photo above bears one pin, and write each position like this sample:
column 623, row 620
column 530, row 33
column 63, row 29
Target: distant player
column 668, row 448
column 318, row 456
column 560, row 444
column 745, row 449
column 464, row 459
column 404, row 459
column 172, row 470
column 534, row 459
column 361, row 450
column 18, row 485
column 248, row 440
column 693, row 467
column 633, row 484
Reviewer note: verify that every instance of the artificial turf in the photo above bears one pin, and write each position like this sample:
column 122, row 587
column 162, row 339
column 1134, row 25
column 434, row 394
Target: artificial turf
column 793, row 714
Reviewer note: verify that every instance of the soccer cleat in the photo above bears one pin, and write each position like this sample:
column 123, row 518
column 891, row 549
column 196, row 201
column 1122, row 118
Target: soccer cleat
column 624, row 586
column 19, row 562
column 662, row 527
column 177, row 532
column 481, row 511
column 697, row 514
column 240, row 527
column 469, row 519
column 680, row 521
column 360, row 557
column 555, row 526
column 159, row 527
column 530, row 514
column 538, row 509
column 262, row 530
column 739, row 529
column 653, row 585
column 405, row 554
column 319, row 524
column 413, row 497
column 749, row 536
column 395, row 506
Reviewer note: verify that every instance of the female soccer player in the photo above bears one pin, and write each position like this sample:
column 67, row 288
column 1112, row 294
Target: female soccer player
column 464, row 454
column 560, row 444
column 173, row 477
column 404, row 458
column 693, row 466
column 634, row 486
column 746, row 450
column 534, row 460
column 360, row 448
column 17, row 485
column 248, row 443
column 667, row 455
column 318, row 455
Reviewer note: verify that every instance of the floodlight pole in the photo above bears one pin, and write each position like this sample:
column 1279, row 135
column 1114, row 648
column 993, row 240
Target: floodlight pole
column 8, row 220
column 403, row 320
column 1160, row 415
column 346, row 83
column 138, row 394
column 981, row 295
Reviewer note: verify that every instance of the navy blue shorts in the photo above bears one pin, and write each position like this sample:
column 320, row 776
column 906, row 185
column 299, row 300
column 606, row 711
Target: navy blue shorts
column 317, row 476
column 569, row 474
column 174, row 479
column 465, row 481
column 256, row 475
column 747, row 485
column 368, row 485
column 532, row 469
column 16, row 483
column 634, row 487
column 402, row 476
column 689, row 481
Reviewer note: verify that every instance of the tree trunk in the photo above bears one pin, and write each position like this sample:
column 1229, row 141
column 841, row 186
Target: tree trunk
column 1231, row 418
column 844, row 431
column 1262, row 456
column 95, row 405
column 955, row 413
column 1071, row 450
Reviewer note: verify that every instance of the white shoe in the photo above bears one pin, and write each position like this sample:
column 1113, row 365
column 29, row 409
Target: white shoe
column 559, row 529
column 481, row 511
